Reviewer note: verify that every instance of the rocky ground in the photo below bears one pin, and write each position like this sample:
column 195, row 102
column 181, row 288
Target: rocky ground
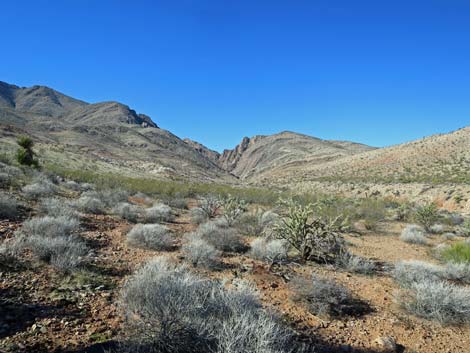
column 44, row 311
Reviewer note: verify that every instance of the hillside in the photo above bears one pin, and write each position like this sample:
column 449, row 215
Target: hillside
column 262, row 156
column 107, row 136
column 439, row 158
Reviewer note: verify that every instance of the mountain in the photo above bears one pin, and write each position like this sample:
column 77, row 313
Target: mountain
column 441, row 158
column 261, row 156
column 107, row 136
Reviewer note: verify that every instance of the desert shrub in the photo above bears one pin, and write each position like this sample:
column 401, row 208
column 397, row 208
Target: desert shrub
column 413, row 234
column 9, row 175
column 128, row 212
column 197, row 215
column 459, row 252
column 9, row 208
column 314, row 238
column 325, row 297
column 65, row 253
column 437, row 229
column 272, row 251
column 90, row 204
column 449, row 236
column 403, row 212
column 74, row 186
column 256, row 223
column 200, row 253
column 9, row 253
column 177, row 202
column 210, row 205
column 111, row 197
column 51, row 226
column 158, row 213
column 408, row 272
column 151, row 236
column 437, row 300
column 169, row 309
column 39, row 189
column 25, row 154
column 355, row 264
column 222, row 238
column 454, row 219
column 427, row 215
column 55, row 207
column 233, row 208
column 372, row 211
column 465, row 228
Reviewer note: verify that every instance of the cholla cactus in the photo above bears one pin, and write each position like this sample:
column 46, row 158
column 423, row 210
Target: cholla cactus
column 314, row 238
column 210, row 205
column 233, row 209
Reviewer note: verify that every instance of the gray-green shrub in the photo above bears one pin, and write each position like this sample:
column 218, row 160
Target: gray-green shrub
column 413, row 234
column 151, row 236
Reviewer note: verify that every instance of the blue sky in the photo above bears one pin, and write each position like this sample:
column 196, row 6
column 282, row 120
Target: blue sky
column 377, row 72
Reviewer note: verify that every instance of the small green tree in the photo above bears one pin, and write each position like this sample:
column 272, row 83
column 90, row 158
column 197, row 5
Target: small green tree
column 427, row 215
column 25, row 154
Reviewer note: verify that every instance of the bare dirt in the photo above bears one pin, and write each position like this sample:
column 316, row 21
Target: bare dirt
column 43, row 311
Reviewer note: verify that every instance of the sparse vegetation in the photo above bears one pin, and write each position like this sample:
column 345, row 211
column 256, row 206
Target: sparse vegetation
column 25, row 154
column 128, row 212
column 51, row 227
column 169, row 309
column 427, row 215
column 437, row 300
column 222, row 238
column 312, row 237
column 233, row 208
column 159, row 212
column 9, row 207
column 413, row 234
column 272, row 251
column 210, row 205
column 66, row 253
column 355, row 264
column 56, row 207
column 151, row 236
column 459, row 253
column 325, row 297
column 41, row 188
column 200, row 253
column 90, row 204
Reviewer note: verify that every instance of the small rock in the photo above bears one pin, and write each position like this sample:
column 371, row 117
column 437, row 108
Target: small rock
column 388, row 343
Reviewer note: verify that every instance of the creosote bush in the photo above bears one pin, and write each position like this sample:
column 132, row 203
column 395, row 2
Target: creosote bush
column 159, row 212
column 169, row 309
column 151, row 236
column 200, row 253
column 427, row 215
column 413, row 234
column 325, row 297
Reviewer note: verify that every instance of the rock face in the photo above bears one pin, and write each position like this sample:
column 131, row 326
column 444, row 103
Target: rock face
column 212, row 155
column 259, row 156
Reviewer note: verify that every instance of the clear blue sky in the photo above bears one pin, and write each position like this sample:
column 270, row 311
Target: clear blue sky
column 377, row 72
